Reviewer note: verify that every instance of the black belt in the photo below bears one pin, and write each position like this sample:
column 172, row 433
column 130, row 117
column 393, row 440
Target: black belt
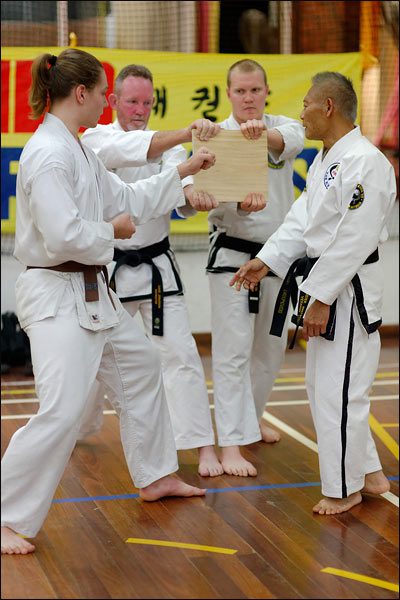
column 289, row 290
column 240, row 245
column 134, row 258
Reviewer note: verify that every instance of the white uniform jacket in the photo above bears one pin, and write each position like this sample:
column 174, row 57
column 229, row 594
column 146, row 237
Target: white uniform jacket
column 340, row 218
column 65, row 195
column 124, row 153
column 259, row 226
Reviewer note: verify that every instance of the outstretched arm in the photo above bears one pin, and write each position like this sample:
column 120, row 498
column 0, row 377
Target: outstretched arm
column 163, row 140
column 249, row 275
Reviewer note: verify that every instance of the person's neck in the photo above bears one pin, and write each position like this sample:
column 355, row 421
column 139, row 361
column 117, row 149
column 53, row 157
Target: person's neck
column 334, row 134
column 68, row 118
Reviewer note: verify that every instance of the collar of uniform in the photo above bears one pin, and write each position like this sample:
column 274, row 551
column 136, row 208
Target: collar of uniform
column 342, row 144
column 52, row 122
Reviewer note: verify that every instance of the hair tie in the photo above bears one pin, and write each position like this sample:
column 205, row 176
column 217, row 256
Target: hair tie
column 52, row 60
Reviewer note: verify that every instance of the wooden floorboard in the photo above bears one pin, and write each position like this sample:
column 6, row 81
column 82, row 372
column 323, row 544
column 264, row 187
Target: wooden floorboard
column 280, row 547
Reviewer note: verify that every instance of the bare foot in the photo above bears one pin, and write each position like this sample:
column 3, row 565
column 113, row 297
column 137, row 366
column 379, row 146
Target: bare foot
column 376, row 483
column 233, row 462
column 209, row 465
column 269, row 435
column 334, row 506
column 12, row 543
column 169, row 486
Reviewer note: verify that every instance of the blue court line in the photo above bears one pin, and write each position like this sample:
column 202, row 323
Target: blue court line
column 245, row 488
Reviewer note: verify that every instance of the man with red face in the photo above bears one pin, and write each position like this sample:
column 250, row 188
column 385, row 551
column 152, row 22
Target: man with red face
column 146, row 273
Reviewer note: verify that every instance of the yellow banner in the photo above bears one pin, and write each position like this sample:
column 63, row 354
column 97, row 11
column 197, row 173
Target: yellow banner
column 187, row 87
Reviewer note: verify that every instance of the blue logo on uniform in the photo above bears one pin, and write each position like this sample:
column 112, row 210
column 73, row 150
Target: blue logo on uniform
column 330, row 174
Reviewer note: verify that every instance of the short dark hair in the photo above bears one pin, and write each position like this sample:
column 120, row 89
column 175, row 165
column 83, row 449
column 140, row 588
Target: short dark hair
column 132, row 71
column 341, row 89
column 246, row 66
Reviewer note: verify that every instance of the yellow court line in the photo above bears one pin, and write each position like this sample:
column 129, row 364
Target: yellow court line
column 384, row 436
column 180, row 545
column 387, row 374
column 370, row 580
column 389, row 424
column 18, row 392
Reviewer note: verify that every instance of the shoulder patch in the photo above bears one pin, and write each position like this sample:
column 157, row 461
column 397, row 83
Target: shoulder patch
column 330, row 174
column 357, row 198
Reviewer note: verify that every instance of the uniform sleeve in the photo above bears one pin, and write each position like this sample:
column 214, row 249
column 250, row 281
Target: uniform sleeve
column 368, row 191
column 118, row 149
column 174, row 157
column 171, row 158
column 145, row 199
column 66, row 236
column 287, row 243
column 293, row 136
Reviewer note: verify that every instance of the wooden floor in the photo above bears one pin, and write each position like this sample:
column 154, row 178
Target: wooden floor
column 255, row 537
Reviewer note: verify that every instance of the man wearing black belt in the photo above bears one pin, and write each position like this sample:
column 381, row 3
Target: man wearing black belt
column 331, row 237
column 145, row 274
column 246, row 360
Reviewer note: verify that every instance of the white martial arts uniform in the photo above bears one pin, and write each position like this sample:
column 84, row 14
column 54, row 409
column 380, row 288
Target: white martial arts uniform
column 64, row 197
column 341, row 218
column 183, row 373
column 245, row 358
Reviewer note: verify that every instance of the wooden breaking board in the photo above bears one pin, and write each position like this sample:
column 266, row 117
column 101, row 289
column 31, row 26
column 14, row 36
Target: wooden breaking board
column 241, row 166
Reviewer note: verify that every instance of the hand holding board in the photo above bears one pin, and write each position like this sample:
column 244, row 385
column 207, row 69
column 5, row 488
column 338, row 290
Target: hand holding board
column 241, row 166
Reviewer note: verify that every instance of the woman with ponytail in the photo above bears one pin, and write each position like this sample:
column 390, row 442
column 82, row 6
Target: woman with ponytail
column 70, row 210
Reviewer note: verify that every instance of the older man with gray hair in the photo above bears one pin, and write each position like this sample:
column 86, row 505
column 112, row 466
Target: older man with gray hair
column 331, row 236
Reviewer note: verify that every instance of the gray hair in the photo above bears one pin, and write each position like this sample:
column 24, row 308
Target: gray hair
column 341, row 90
column 132, row 71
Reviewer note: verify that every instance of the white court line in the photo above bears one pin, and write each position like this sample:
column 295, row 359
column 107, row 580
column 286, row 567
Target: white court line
column 112, row 412
column 391, row 497
column 25, row 382
column 273, row 403
column 294, row 388
column 313, row 446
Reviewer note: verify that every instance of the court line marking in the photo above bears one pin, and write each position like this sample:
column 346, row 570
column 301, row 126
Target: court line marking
column 313, row 446
column 244, row 488
column 390, row 425
column 21, row 382
column 16, row 392
column 180, row 545
column 363, row 578
column 112, row 412
column 384, row 436
column 279, row 388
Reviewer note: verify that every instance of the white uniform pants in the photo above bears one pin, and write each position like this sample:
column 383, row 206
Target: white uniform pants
column 246, row 359
column 66, row 359
column 339, row 375
column 183, row 375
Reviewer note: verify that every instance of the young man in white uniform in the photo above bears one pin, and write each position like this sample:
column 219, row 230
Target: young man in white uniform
column 245, row 358
column 337, row 224
column 70, row 210
column 146, row 265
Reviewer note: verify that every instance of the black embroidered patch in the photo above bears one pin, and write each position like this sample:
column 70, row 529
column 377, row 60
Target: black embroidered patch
column 357, row 198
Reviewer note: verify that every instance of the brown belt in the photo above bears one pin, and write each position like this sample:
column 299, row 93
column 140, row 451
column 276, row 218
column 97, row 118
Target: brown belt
column 89, row 277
